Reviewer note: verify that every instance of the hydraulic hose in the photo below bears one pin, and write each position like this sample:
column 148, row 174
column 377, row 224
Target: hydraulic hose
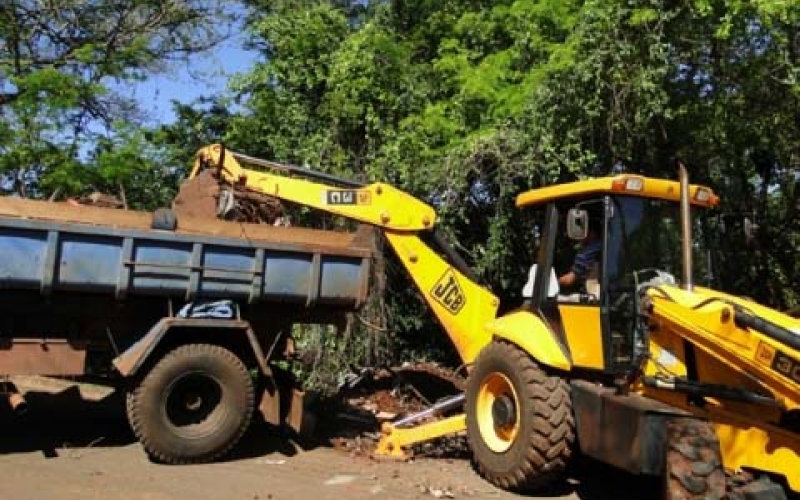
column 777, row 332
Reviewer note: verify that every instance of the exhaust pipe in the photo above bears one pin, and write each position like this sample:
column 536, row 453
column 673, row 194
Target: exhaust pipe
column 686, row 228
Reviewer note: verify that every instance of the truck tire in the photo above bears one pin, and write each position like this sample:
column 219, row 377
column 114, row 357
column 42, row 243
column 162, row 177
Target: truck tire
column 520, row 425
column 693, row 463
column 193, row 406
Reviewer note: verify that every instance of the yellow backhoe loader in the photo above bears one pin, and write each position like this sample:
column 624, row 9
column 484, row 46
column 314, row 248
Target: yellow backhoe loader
column 636, row 368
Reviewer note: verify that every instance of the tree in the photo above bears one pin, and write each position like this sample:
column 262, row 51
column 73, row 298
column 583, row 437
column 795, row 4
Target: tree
column 466, row 103
column 58, row 60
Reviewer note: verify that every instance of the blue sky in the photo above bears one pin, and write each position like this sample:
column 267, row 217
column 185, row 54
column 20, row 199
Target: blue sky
column 205, row 74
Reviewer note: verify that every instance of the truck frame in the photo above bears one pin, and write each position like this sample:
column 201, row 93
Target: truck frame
column 188, row 317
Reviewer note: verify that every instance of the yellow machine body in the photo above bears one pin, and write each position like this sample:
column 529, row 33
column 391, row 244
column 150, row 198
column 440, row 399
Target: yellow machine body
column 576, row 339
column 725, row 353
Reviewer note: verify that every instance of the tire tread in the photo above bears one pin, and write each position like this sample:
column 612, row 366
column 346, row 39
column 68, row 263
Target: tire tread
column 550, row 445
column 135, row 397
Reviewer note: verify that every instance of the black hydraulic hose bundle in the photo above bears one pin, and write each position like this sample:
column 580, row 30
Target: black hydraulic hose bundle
column 777, row 332
column 694, row 388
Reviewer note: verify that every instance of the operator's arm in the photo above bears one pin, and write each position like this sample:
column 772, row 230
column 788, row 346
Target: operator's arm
column 584, row 261
column 568, row 279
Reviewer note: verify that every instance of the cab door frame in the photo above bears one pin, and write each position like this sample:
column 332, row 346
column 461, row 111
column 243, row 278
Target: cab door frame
column 551, row 311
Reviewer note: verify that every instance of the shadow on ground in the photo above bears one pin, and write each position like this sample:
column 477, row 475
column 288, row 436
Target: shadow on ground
column 592, row 480
column 55, row 423
column 62, row 423
column 588, row 479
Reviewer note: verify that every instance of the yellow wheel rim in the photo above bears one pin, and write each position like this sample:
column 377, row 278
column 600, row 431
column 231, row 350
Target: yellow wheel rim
column 498, row 436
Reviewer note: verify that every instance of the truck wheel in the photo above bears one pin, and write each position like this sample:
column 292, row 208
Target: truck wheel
column 694, row 462
column 193, row 406
column 520, row 426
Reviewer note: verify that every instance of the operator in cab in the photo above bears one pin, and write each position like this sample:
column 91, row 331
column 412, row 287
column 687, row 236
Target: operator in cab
column 584, row 265
column 580, row 283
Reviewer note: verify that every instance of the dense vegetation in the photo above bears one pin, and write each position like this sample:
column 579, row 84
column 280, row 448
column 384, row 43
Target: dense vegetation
column 461, row 102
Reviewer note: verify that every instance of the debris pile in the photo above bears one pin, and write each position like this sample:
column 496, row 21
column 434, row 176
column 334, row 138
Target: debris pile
column 371, row 397
column 203, row 197
column 256, row 208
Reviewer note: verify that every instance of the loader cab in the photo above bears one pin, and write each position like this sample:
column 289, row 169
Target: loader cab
column 640, row 242
column 574, row 313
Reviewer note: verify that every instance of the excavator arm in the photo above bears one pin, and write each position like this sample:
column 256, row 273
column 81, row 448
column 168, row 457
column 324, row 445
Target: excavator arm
column 463, row 307
column 460, row 303
column 378, row 204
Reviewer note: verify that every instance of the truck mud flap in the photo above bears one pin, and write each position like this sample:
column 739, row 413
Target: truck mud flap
column 283, row 403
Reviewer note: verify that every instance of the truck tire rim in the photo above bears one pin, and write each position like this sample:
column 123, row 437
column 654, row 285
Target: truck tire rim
column 498, row 412
column 192, row 404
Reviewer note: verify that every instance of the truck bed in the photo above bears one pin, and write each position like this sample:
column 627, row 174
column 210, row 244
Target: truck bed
column 56, row 247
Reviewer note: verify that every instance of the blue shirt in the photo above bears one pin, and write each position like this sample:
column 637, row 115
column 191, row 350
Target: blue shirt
column 585, row 259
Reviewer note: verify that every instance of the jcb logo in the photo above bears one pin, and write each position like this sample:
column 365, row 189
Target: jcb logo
column 448, row 292
column 766, row 353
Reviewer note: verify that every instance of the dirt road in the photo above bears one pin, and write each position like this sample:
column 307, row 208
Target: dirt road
column 66, row 448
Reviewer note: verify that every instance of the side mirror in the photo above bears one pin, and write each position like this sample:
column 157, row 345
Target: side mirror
column 577, row 223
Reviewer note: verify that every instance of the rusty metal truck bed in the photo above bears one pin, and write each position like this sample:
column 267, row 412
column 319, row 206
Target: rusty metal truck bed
column 57, row 247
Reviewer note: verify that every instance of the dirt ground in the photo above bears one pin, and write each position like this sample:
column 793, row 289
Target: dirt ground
column 67, row 447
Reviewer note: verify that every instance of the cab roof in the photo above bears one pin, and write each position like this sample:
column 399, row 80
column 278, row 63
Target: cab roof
column 635, row 185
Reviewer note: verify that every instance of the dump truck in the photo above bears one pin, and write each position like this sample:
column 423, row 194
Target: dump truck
column 189, row 318
column 639, row 368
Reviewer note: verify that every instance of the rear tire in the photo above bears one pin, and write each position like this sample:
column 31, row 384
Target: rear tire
column 193, row 406
column 693, row 463
column 520, row 425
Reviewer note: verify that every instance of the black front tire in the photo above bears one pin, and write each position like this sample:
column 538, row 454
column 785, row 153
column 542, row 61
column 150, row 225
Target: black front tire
column 533, row 452
column 749, row 486
column 193, row 406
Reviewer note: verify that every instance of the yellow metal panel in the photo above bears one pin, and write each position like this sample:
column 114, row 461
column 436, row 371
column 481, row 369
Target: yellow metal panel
column 584, row 333
column 651, row 188
column 378, row 204
column 462, row 306
column 394, row 440
column 733, row 356
column 705, row 318
column 765, row 448
column 666, row 354
column 530, row 333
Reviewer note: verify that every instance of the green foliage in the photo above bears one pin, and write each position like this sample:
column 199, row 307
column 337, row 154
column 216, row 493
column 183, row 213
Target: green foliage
column 58, row 62
column 462, row 103
column 466, row 104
